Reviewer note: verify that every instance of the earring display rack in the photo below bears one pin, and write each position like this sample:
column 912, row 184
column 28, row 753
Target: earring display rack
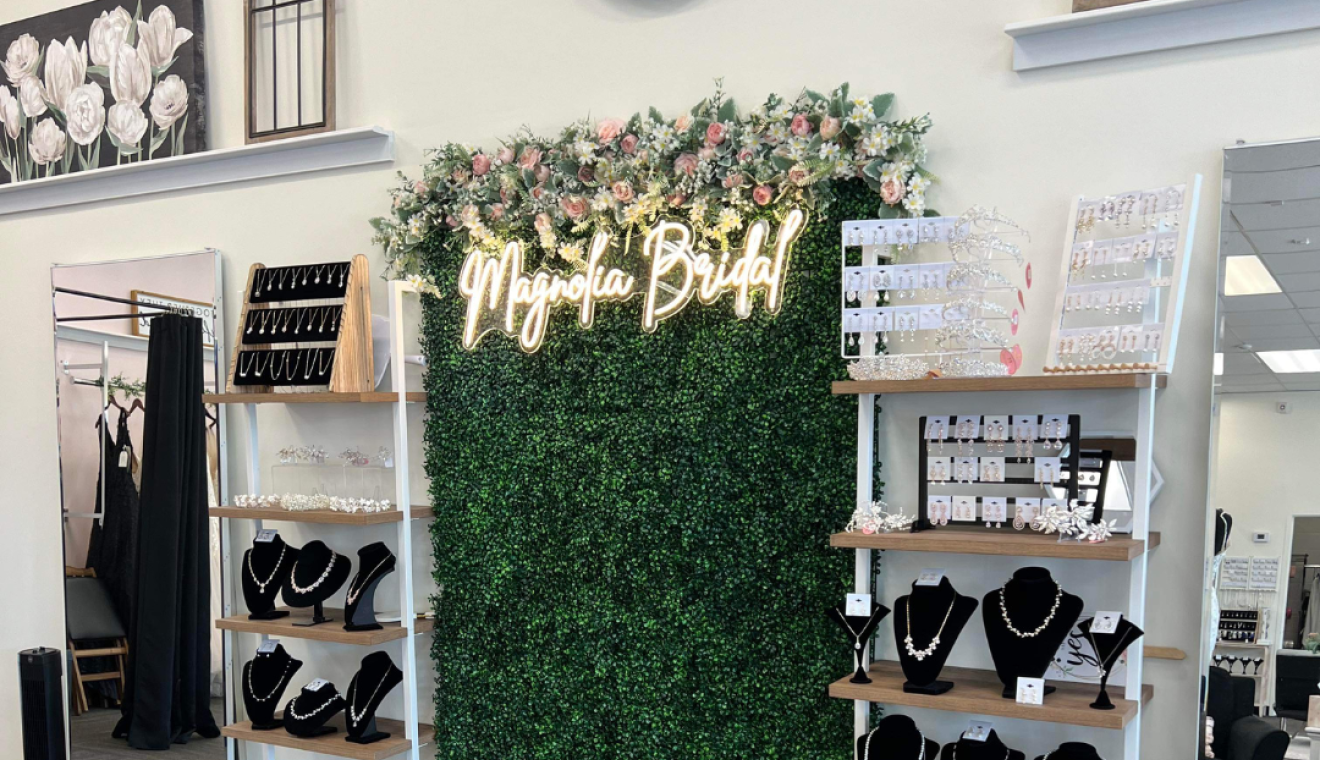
column 305, row 326
column 1121, row 286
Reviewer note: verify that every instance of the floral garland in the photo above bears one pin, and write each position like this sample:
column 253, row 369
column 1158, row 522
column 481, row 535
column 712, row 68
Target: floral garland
column 713, row 167
column 313, row 503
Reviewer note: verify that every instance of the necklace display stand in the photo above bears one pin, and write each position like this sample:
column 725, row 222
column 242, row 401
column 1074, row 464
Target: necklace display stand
column 375, row 561
column 896, row 737
column 993, row 748
column 1108, row 648
column 1223, row 530
column 266, row 568
column 1072, row 751
column 1028, row 598
column 859, row 630
column 937, row 611
column 317, row 575
column 264, row 680
column 373, row 681
column 306, row 715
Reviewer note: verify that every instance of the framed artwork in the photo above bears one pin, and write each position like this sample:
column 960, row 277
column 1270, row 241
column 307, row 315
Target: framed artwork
column 104, row 83
column 289, row 68
column 142, row 327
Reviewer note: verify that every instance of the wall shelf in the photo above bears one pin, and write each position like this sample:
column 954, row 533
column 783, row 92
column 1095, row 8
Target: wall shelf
column 1000, row 544
column 333, row 631
column 1154, row 25
column 375, row 397
column 325, row 517
column 334, row 744
column 1087, row 382
column 979, row 692
column 344, row 148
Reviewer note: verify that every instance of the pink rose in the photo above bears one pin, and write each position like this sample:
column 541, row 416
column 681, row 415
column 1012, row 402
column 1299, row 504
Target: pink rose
column 505, row 155
column 586, row 174
column 542, row 173
column 686, row 163
column 451, row 221
column 480, row 164
column 504, row 194
column 829, row 127
column 733, row 180
column 623, row 191
column 892, row 191
column 801, row 126
column 763, row 194
column 460, row 175
column 420, row 187
column 683, row 123
column 537, row 192
column 542, row 223
column 573, row 205
column 530, row 158
column 745, row 155
column 798, row 175
column 496, row 210
column 608, row 129
column 706, row 153
column 676, row 199
column 628, row 144
column 715, row 133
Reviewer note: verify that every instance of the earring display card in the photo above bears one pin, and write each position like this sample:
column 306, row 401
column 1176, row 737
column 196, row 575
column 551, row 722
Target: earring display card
column 964, row 509
column 994, row 509
column 299, row 324
column 992, row 469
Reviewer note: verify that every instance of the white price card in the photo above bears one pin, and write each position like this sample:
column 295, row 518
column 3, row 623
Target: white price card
column 994, row 509
column 1031, row 691
column 1106, row 622
column 268, row 646
column 265, row 536
column 978, row 731
column 858, row 605
column 319, row 683
column 964, row 509
column 930, row 576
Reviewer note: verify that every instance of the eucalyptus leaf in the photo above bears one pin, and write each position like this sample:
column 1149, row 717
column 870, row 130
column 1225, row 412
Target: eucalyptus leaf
column 881, row 103
column 728, row 111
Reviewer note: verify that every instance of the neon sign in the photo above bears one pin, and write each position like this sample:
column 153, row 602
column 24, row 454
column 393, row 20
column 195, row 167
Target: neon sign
column 502, row 297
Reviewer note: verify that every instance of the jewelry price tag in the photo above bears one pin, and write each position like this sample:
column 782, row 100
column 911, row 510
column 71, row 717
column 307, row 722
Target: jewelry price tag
column 858, row 605
column 1106, row 622
column 319, row 683
column 265, row 536
column 1031, row 691
column 978, row 731
column 123, row 459
column 930, row 576
column 964, row 509
column 268, row 646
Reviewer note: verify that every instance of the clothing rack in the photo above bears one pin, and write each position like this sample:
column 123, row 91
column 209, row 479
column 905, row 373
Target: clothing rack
column 161, row 310
column 100, row 382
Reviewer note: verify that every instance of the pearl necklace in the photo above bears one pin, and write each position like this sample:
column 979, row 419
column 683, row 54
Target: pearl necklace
column 354, row 593
column 866, row 747
column 333, row 699
column 1003, row 611
column 922, row 654
column 279, row 684
column 252, row 571
column 353, row 712
column 293, row 577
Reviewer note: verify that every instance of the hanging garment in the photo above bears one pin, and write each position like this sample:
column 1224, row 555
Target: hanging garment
column 112, row 549
column 1312, row 624
column 168, row 694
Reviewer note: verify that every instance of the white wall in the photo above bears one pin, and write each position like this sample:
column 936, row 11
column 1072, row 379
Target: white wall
column 475, row 71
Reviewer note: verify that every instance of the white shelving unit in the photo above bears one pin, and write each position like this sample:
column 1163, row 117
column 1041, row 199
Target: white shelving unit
column 414, row 734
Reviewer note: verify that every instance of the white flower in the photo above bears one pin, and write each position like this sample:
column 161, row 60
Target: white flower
column 870, row 145
column 780, row 111
column 33, row 96
column 633, row 213
column 169, row 101
column 160, row 38
column 777, row 133
column 860, row 116
column 829, row 150
column 130, row 75
column 46, row 144
column 572, row 253
column 885, row 137
column 729, row 220
column 86, row 113
column 796, row 148
column 107, row 34
column 918, row 184
column 416, row 225
column 752, row 140
column 603, row 201
column 66, row 69
column 915, row 204
column 21, row 59
column 585, row 150
column 9, row 112
column 843, row 168
column 126, row 123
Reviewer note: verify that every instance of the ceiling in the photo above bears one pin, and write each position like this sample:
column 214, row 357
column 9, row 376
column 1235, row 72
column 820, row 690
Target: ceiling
column 1272, row 210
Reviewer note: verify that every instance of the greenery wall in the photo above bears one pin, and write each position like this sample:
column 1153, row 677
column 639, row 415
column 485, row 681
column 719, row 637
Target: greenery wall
column 632, row 530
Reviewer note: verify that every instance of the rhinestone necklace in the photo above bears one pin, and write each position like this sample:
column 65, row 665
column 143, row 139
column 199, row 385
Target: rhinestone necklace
column 1003, row 610
column 333, row 699
column 353, row 712
column 279, row 684
column 866, row 748
column 1118, row 650
column 922, row 654
column 293, row 577
column 260, row 583
column 857, row 643
column 355, row 590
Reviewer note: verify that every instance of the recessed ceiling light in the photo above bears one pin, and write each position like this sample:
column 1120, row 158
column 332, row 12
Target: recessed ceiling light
column 1247, row 276
column 1219, row 364
column 1285, row 362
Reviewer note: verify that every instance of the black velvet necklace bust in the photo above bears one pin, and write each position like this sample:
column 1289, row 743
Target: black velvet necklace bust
column 306, row 714
column 264, row 680
column 929, row 605
column 1108, row 648
column 317, row 575
column 266, row 568
column 896, row 737
column 373, row 681
column 1223, row 530
column 375, row 561
column 859, row 634
column 1028, row 596
column 1072, row 751
column 993, row 748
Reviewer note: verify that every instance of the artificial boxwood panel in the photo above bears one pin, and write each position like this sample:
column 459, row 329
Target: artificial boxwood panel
column 631, row 531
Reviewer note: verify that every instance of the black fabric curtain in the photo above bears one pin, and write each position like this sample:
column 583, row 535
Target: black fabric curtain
column 168, row 694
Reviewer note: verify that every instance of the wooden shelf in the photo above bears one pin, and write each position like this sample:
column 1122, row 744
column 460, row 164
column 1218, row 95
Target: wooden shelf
column 1094, row 382
column 325, row 397
column 997, row 543
column 1164, row 653
column 979, row 692
column 320, row 516
column 334, row 744
column 333, row 631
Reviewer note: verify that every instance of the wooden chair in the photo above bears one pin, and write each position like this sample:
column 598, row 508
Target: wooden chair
column 91, row 616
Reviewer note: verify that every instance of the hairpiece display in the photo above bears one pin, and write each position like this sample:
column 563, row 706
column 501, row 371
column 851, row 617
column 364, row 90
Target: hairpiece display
column 876, row 518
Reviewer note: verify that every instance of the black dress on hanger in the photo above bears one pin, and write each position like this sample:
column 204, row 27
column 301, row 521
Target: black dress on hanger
column 112, row 550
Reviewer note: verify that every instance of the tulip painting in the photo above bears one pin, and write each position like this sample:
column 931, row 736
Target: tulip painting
column 104, row 83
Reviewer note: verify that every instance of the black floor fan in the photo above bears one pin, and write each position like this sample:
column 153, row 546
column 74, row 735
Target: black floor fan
column 41, row 695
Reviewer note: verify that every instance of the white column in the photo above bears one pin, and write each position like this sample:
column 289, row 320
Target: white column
column 399, row 385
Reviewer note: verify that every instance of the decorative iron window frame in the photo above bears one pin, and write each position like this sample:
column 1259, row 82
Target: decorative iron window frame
column 327, row 122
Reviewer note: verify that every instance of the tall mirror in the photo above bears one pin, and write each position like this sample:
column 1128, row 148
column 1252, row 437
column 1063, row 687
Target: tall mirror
column 136, row 344
column 1262, row 627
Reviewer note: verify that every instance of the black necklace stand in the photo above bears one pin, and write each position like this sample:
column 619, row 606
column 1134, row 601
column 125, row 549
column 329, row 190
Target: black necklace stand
column 306, row 703
column 859, row 630
column 376, row 678
column 375, row 561
column 265, row 560
column 268, row 673
column 895, row 736
column 1109, row 647
column 929, row 604
column 311, row 573
column 993, row 748
column 1030, row 595
column 1072, row 751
